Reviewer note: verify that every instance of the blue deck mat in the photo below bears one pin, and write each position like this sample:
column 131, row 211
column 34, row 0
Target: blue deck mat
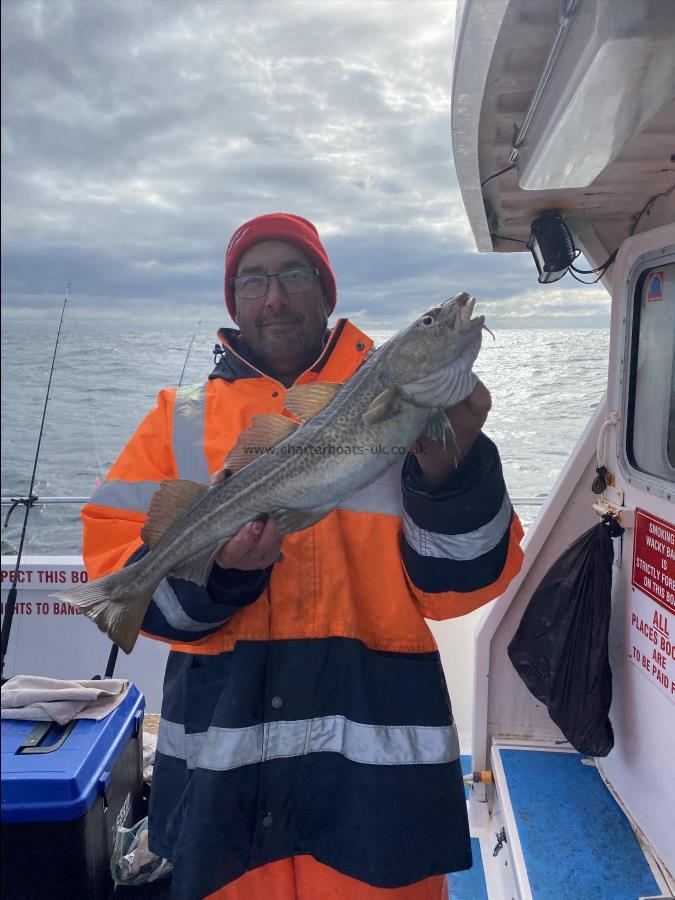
column 470, row 884
column 576, row 841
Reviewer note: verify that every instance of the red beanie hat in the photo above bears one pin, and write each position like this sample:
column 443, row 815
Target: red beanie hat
column 279, row 227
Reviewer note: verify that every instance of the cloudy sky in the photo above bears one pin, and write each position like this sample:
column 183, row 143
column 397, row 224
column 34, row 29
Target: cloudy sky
column 138, row 134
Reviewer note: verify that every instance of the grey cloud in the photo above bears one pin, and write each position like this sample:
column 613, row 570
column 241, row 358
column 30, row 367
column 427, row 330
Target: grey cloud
column 137, row 134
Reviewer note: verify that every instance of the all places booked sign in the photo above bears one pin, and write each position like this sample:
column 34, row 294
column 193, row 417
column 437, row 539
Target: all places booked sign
column 652, row 614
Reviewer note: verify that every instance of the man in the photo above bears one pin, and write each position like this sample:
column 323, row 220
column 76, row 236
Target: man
column 307, row 747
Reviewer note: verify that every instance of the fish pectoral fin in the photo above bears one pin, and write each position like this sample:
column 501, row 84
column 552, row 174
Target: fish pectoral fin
column 266, row 431
column 307, row 400
column 384, row 406
column 167, row 505
column 439, row 428
column 196, row 569
column 290, row 520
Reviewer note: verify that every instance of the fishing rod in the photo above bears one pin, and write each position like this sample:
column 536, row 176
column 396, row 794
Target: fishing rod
column 187, row 355
column 28, row 503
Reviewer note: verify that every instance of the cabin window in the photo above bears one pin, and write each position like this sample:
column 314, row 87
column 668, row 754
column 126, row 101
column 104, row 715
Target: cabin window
column 651, row 403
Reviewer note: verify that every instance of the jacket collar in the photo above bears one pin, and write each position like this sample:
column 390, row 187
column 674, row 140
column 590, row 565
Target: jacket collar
column 230, row 365
column 345, row 348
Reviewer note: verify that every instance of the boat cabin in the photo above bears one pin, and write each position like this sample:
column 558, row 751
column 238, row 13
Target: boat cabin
column 563, row 130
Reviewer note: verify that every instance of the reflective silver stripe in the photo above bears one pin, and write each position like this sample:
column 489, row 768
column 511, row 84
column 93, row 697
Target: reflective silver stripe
column 135, row 495
column 381, row 496
column 459, row 546
column 384, row 745
column 220, row 749
column 168, row 604
column 188, row 449
column 188, row 433
column 171, row 739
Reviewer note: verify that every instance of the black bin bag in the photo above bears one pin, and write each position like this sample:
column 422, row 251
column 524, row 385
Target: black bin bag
column 560, row 647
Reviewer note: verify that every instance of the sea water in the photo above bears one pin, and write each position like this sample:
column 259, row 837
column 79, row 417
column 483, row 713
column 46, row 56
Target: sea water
column 544, row 384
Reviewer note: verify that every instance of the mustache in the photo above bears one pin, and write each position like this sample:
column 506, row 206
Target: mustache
column 271, row 318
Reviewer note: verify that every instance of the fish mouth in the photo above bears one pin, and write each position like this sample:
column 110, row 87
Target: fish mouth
column 458, row 310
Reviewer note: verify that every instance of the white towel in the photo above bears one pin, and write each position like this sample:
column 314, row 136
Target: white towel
column 42, row 699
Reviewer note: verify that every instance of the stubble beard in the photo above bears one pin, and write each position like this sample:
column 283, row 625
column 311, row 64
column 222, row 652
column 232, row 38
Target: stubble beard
column 275, row 346
column 292, row 352
column 302, row 345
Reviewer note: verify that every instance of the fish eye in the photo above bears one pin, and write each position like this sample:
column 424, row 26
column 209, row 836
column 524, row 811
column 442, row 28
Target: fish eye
column 424, row 321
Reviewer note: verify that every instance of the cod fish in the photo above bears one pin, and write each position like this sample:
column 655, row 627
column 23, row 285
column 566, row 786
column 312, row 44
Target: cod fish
column 293, row 472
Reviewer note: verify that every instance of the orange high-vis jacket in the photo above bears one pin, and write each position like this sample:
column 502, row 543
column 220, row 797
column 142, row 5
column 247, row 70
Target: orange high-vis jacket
column 305, row 712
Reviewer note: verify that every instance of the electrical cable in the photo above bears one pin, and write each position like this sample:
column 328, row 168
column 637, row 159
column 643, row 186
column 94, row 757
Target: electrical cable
column 496, row 174
column 602, row 268
column 581, row 280
column 648, row 205
column 503, row 237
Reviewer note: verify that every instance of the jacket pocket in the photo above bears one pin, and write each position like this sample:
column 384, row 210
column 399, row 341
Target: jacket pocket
column 204, row 681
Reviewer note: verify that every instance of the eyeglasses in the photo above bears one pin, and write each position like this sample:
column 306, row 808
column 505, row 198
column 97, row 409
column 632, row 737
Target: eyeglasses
column 292, row 281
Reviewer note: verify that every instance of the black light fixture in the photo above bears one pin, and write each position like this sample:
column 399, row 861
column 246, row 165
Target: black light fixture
column 551, row 246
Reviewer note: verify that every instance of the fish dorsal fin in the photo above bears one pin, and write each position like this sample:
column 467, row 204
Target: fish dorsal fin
column 384, row 406
column 266, row 431
column 167, row 505
column 307, row 400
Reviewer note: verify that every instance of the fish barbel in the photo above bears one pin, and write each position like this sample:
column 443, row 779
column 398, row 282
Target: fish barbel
column 293, row 472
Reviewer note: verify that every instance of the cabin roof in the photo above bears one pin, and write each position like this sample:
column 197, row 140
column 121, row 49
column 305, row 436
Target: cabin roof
column 606, row 104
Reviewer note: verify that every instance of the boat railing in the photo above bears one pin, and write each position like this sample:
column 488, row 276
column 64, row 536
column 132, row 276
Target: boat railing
column 39, row 501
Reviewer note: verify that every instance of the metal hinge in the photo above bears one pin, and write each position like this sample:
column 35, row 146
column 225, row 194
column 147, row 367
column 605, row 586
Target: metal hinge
column 501, row 840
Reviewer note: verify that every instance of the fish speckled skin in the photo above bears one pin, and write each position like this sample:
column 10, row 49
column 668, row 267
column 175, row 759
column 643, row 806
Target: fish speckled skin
column 420, row 371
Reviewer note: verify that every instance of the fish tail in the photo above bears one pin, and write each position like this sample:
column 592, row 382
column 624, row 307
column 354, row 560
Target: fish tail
column 114, row 604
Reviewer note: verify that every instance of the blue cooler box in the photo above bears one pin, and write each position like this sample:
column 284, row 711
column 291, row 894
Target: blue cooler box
column 65, row 791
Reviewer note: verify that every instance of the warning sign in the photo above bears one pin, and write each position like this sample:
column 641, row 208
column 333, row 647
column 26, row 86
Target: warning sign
column 652, row 615
column 654, row 559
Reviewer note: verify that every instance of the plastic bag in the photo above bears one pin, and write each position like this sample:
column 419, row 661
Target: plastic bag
column 149, row 752
column 560, row 647
column 132, row 862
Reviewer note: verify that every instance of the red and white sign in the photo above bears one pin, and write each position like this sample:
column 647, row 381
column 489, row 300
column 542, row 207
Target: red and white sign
column 652, row 614
column 654, row 559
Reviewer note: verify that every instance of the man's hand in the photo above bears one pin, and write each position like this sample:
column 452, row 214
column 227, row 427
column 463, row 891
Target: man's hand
column 467, row 419
column 255, row 546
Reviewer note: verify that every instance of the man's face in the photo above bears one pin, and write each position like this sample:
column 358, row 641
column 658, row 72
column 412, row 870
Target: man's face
column 284, row 331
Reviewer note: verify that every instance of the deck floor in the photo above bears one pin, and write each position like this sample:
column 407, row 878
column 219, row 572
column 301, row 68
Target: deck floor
column 576, row 840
